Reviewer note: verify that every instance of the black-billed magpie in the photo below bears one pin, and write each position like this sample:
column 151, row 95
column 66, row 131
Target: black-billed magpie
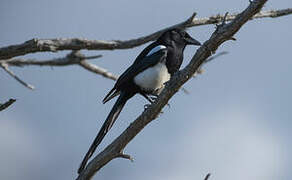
column 147, row 75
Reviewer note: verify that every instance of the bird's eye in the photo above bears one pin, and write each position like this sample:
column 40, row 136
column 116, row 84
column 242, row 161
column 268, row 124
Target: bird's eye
column 175, row 35
column 178, row 34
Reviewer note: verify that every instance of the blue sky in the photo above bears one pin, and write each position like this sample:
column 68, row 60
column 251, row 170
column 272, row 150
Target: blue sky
column 235, row 123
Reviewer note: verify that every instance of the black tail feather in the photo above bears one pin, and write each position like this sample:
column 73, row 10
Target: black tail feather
column 111, row 118
column 113, row 93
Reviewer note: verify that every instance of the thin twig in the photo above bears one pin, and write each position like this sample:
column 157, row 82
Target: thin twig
column 218, row 18
column 125, row 156
column 201, row 70
column 5, row 67
column 7, row 104
column 98, row 70
column 64, row 61
column 53, row 45
column 216, row 56
column 207, row 176
column 75, row 57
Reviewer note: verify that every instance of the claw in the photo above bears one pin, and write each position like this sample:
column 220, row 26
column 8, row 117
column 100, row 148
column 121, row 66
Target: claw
column 153, row 98
column 146, row 106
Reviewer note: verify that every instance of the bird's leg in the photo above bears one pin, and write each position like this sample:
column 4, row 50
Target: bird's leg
column 146, row 106
column 155, row 96
column 151, row 98
column 148, row 98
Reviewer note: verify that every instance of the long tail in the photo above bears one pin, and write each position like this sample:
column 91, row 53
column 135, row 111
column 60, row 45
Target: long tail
column 111, row 118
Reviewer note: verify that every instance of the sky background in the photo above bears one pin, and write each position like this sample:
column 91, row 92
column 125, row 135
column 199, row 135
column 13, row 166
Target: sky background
column 235, row 123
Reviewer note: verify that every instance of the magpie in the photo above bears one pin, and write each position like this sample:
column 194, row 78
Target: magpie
column 146, row 76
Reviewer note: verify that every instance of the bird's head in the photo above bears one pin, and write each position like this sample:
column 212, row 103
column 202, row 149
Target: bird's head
column 178, row 37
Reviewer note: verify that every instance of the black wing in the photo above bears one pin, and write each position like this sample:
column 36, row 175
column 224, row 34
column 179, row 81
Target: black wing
column 138, row 66
column 141, row 65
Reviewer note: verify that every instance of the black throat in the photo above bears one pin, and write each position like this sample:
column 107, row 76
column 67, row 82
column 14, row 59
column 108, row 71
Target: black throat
column 174, row 58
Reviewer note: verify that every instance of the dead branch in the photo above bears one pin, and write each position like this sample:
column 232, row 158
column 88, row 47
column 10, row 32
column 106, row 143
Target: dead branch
column 207, row 176
column 78, row 58
column 217, row 18
column 98, row 70
column 7, row 104
column 70, row 59
column 11, row 73
column 74, row 58
column 53, row 45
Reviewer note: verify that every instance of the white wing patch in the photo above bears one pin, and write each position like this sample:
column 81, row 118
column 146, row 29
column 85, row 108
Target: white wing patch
column 157, row 48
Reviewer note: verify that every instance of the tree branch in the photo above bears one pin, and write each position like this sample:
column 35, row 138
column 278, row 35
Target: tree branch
column 217, row 18
column 70, row 59
column 98, row 70
column 5, row 67
column 7, row 104
column 75, row 57
column 53, row 45
column 224, row 32
column 207, row 176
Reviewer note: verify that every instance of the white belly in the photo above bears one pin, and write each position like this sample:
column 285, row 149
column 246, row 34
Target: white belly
column 153, row 78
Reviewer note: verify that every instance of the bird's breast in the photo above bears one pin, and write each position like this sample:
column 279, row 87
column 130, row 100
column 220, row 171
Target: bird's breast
column 153, row 78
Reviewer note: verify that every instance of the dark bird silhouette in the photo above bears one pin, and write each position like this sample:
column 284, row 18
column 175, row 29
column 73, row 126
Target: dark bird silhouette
column 146, row 76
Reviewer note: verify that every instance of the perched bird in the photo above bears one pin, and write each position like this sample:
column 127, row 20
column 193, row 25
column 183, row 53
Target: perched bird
column 147, row 75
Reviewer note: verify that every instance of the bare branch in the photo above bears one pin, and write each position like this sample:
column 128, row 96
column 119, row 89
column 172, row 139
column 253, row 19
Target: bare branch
column 97, row 70
column 53, row 45
column 7, row 104
column 215, row 56
column 201, row 70
column 217, row 18
column 75, row 57
column 221, row 34
column 5, row 67
column 207, row 176
column 125, row 156
column 68, row 60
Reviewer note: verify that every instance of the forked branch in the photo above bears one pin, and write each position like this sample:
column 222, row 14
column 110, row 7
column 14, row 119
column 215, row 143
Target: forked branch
column 53, row 45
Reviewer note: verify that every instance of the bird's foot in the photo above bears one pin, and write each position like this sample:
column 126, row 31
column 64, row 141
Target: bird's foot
column 153, row 98
column 146, row 106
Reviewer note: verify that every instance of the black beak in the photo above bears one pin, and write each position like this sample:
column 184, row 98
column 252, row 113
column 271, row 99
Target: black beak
column 192, row 41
